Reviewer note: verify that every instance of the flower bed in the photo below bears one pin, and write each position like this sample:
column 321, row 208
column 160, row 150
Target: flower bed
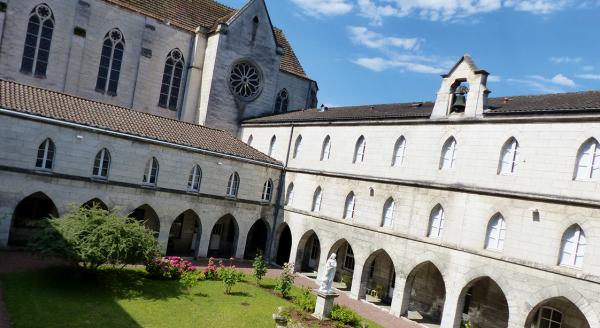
column 169, row 267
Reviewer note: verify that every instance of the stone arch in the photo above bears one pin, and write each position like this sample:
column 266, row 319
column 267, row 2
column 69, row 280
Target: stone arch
column 147, row 215
column 95, row 201
column 284, row 244
column 568, row 296
column 378, row 278
column 345, row 257
column 482, row 303
column 568, row 313
column 308, row 255
column 424, row 294
column 27, row 215
column 223, row 237
column 257, row 239
column 184, row 234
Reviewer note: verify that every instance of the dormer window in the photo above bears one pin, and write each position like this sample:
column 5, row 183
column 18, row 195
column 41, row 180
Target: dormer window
column 459, row 97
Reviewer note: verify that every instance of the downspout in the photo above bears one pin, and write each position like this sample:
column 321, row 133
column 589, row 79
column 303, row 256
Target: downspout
column 192, row 63
column 137, row 67
column 278, row 202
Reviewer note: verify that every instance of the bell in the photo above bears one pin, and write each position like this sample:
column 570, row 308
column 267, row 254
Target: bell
column 459, row 103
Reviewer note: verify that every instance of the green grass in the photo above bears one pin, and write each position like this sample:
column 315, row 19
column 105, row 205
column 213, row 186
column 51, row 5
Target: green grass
column 66, row 297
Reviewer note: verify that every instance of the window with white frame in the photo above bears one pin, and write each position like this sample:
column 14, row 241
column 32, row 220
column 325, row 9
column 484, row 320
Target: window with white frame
column 325, row 151
column 233, row 185
column 509, row 157
column 399, row 151
column 573, row 247
column 195, row 178
column 171, row 81
column 110, row 62
column 297, row 146
column 267, row 191
column 282, row 101
column 388, row 213
column 289, row 198
column 349, row 206
column 272, row 146
column 349, row 258
column 447, row 160
column 588, row 161
column 549, row 318
column 37, row 41
column 496, row 232
column 317, row 197
column 359, row 150
column 45, row 155
column 101, row 164
column 151, row 172
column 250, row 139
column 436, row 222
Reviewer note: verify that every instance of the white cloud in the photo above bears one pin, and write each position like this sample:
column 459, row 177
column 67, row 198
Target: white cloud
column 536, row 85
column 494, row 78
column 588, row 68
column 537, row 6
column 563, row 80
column 566, row 60
column 589, row 76
column 362, row 35
column 319, row 8
column 379, row 64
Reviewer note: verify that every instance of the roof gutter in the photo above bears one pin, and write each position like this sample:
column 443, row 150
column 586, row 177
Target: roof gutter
column 132, row 136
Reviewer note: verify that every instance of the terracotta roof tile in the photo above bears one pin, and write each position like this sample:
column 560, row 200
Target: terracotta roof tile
column 60, row 106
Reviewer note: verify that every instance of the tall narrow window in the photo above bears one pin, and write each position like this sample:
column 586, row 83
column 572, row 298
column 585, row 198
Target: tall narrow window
column 399, row 151
column 289, row 199
column 436, row 222
column 195, row 178
column 359, row 150
column 151, row 172
column 326, row 149
column 509, row 157
column 233, row 185
column 250, row 139
column 317, row 197
column 267, row 191
column 573, row 247
column 101, row 164
column 349, row 206
column 37, row 41
column 588, row 161
column 272, row 146
column 282, row 101
column 349, row 258
column 448, row 154
column 388, row 213
column 110, row 62
column 171, row 81
column 496, row 232
column 45, row 155
column 297, row 146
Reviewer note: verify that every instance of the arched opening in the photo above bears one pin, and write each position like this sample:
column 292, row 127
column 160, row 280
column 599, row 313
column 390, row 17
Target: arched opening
column 482, row 304
column 309, row 254
column 184, row 236
column 345, row 264
column 223, row 238
column 95, row 202
column 27, row 217
column 424, row 294
column 378, row 279
column 557, row 312
column 148, row 217
column 256, row 240
column 284, row 246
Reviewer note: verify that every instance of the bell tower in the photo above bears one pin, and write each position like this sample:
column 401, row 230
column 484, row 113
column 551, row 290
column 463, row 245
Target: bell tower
column 463, row 93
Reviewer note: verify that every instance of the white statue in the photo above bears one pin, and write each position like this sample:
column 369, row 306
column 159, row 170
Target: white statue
column 327, row 278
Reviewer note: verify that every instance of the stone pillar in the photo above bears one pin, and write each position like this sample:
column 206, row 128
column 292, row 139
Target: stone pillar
column 450, row 314
column 241, row 246
column 398, row 303
column 357, row 285
column 5, row 223
column 324, row 304
column 517, row 318
column 163, row 237
column 202, row 250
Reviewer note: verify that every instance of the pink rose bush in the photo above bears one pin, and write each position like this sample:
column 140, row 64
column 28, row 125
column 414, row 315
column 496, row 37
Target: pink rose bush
column 169, row 267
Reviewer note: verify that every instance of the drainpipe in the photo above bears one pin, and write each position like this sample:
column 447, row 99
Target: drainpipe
column 278, row 202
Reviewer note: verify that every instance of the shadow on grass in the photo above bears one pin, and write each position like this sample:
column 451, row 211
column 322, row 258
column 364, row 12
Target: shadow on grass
column 242, row 294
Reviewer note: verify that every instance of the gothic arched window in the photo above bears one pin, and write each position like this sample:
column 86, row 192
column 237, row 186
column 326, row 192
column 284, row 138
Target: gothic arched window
column 399, row 151
column 448, row 154
column 297, row 146
column 272, row 145
column 509, row 157
column 436, row 222
column 282, row 101
column 349, row 206
column 326, row 149
column 171, row 81
column 359, row 150
column 267, row 191
column 195, row 178
column 101, row 164
column 151, row 172
column 110, row 62
column 45, row 155
column 388, row 213
column 317, row 197
column 588, row 161
column 289, row 199
column 496, row 232
column 37, row 41
column 233, row 185
column 573, row 247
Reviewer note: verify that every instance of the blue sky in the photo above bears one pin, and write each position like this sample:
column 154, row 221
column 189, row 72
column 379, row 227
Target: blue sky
column 383, row 51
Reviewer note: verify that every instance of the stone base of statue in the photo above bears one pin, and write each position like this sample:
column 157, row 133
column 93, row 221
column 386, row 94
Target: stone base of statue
column 324, row 304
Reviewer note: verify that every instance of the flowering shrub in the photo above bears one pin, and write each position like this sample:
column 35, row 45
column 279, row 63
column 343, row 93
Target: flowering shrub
column 211, row 271
column 230, row 276
column 286, row 280
column 169, row 267
column 259, row 267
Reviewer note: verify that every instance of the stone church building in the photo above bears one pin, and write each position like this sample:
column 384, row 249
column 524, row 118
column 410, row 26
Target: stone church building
column 199, row 120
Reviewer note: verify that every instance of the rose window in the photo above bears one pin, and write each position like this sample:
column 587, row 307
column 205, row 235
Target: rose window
column 245, row 81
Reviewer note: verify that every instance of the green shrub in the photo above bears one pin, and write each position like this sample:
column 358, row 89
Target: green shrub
column 93, row 237
column 306, row 300
column 168, row 267
column 286, row 280
column 345, row 316
column 191, row 278
column 230, row 276
column 259, row 267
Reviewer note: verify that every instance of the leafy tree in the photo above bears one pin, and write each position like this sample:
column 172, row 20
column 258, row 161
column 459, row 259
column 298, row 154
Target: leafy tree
column 93, row 236
column 259, row 267
column 286, row 280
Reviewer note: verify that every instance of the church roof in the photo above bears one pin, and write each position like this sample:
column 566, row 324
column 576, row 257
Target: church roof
column 63, row 107
column 191, row 14
column 586, row 102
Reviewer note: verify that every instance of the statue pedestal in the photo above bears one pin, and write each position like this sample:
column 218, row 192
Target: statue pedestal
column 324, row 304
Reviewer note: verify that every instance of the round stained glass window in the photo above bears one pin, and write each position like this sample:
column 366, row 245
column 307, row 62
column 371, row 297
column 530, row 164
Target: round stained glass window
column 245, row 81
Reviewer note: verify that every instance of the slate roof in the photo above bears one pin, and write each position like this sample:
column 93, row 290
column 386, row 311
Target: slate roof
column 51, row 104
column 571, row 103
column 190, row 14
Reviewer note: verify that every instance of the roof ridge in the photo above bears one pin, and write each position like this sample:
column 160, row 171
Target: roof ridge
column 548, row 94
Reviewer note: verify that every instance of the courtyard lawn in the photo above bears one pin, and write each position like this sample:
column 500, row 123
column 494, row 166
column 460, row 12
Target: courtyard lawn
column 59, row 297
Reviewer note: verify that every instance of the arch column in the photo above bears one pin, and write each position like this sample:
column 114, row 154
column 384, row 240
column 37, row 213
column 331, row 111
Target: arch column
column 6, row 214
column 517, row 318
column 359, row 287
column 400, row 299
column 163, row 237
column 202, row 250
column 241, row 244
column 451, row 309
